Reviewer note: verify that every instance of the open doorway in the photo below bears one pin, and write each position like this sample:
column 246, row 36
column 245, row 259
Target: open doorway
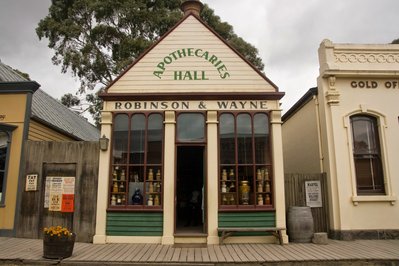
column 190, row 208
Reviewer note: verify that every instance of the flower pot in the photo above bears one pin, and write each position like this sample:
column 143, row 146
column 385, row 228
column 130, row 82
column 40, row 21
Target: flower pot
column 58, row 248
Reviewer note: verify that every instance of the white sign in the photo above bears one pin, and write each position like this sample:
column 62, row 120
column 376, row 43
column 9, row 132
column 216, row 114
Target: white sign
column 59, row 194
column 313, row 194
column 31, row 183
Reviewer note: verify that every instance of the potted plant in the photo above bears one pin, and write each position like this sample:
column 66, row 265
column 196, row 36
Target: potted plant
column 58, row 242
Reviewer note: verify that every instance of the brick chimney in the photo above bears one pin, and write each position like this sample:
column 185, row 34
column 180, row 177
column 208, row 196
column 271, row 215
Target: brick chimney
column 191, row 6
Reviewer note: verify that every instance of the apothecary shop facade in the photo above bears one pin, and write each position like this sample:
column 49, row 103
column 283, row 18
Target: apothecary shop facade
column 195, row 144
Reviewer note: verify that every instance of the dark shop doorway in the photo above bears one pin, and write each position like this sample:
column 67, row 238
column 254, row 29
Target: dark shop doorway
column 190, row 207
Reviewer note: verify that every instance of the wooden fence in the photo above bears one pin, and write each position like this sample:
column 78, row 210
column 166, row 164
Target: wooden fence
column 60, row 159
column 295, row 195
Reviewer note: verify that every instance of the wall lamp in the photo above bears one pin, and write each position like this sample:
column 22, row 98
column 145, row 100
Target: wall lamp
column 104, row 143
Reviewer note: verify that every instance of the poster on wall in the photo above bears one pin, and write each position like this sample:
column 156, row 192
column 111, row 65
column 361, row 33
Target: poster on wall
column 313, row 194
column 31, row 182
column 59, row 194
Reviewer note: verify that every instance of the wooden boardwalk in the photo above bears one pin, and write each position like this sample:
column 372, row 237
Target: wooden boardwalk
column 15, row 251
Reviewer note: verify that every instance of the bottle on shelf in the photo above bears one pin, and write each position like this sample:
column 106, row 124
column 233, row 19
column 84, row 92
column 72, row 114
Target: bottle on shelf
column 151, row 187
column 267, row 187
column 158, row 175
column 232, row 199
column 150, row 175
column 224, row 200
column 121, row 187
column 136, row 177
column 267, row 178
column 118, row 200
column 224, row 175
column 260, row 199
column 137, row 198
column 259, row 175
column 260, row 187
column 114, row 174
column 267, row 200
column 232, row 187
column 158, row 187
column 156, row 200
column 123, row 176
column 113, row 200
column 115, row 188
column 224, row 187
column 150, row 201
column 231, row 175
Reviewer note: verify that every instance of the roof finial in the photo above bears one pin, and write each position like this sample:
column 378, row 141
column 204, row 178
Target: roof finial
column 191, row 6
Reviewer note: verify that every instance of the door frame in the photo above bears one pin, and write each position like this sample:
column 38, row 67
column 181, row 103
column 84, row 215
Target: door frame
column 205, row 182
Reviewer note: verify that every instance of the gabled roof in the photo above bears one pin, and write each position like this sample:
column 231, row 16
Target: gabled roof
column 46, row 109
column 135, row 79
column 49, row 111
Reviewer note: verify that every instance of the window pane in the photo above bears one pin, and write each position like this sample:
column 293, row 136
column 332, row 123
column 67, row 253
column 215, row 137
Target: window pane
column 364, row 135
column 190, row 127
column 3, row 149
column 120, row 139
column 227, row 139
column 155, row 135
column 244, row 139
column 367, row 159
column 261, row 132
column 137, row 139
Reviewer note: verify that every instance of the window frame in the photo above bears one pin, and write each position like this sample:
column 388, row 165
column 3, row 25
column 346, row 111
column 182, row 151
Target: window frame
column 7, row 129
column 254, row 165
column 381, row 126
column 130, row 164
column 374, row 157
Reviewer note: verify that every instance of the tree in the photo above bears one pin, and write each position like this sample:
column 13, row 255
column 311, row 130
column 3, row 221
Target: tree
column 396, row 41
column 98, row 39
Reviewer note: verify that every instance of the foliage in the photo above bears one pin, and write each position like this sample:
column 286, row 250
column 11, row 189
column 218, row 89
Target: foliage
column 98, row 39
column 396, row 41
column 70, row 100
column 57, row 232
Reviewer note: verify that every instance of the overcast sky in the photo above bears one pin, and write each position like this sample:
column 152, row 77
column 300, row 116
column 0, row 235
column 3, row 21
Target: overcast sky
column 286, row 32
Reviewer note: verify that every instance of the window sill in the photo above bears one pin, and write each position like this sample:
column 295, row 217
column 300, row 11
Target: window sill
column 357, row 199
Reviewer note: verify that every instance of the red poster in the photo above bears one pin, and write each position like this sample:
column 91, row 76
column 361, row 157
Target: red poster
column 67, row 202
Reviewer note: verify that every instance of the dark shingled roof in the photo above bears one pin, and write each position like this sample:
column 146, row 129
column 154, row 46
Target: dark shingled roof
column 50, row 112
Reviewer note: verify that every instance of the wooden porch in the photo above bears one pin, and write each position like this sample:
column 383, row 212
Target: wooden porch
column 29, row 251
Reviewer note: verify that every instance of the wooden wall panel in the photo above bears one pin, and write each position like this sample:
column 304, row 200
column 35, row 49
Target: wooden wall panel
column 79, row 159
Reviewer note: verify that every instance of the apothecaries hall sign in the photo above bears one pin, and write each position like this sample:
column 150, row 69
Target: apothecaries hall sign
column 187, row 74
column 190, row 105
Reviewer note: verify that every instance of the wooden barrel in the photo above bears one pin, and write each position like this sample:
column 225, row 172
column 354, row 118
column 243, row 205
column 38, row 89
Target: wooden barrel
column 300, row 225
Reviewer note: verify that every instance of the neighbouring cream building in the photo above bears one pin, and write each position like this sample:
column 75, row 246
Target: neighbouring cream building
column 195, row 144
column 348, row 127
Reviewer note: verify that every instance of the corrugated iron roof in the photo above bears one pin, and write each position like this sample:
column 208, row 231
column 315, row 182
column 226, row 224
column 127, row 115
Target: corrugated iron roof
column 49, row 111
column 7, row 74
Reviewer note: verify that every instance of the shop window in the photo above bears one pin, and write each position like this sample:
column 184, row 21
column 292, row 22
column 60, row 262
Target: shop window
column 136, row 173
column 190, row 127
column 367, row 155
column 245, row 164
column 4, row 140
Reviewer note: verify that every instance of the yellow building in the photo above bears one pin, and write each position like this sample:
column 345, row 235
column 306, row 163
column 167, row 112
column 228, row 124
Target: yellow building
column 348, row 128
column 196, row 145
column 28, row 113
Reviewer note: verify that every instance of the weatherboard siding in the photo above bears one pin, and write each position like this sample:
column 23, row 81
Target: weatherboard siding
column 39, row 132
column 134, row 224
column 247, row 219
column 191, row 34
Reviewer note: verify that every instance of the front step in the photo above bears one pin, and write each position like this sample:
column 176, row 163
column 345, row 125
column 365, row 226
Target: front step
column 190, row 239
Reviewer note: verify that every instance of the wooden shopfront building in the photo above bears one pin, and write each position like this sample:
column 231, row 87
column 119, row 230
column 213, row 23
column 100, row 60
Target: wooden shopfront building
column 195, row 144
